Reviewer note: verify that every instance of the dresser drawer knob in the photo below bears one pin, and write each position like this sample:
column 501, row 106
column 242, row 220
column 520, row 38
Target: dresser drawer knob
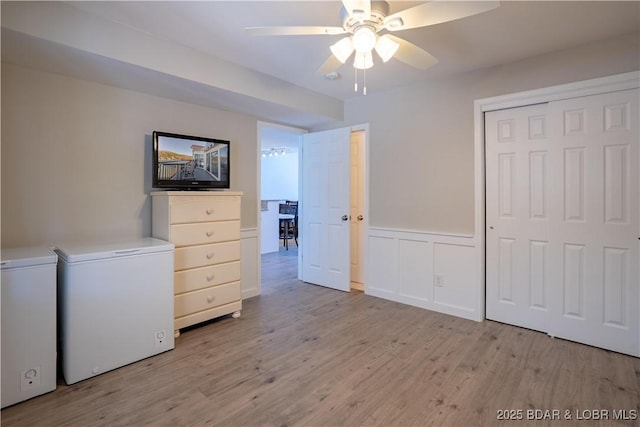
column 209, row 211
column 210, row 255
column 210, row 277
column 210, row 298
column 210, row 233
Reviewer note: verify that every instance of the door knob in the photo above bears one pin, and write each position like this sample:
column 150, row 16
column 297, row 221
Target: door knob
column 360, row 217
column 345, row 217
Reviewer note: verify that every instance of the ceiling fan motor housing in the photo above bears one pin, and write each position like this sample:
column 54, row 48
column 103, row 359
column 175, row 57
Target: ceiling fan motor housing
column 379, row 10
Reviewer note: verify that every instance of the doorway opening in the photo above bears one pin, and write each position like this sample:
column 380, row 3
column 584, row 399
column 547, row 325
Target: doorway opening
column 357, row 209
column 280, row 181
column 279, row 187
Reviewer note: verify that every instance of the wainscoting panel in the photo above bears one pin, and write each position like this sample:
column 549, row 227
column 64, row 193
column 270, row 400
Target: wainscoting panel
column 413, row 256
column 433, row 271
column 250, row 261
column 383, row 277
column 455, row 284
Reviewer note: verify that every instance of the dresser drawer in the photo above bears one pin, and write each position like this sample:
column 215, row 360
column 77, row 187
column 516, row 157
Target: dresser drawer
column 204, row 299
column 203, row 255
column 205, row 277
column 201, row 233
column 204, row 209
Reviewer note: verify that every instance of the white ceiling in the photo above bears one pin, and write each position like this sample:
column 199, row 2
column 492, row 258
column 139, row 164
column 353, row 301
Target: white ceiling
column 514, row 31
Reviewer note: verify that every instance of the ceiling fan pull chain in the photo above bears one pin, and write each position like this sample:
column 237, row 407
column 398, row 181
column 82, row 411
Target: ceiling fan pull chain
column 364, row 82
column 355, row 85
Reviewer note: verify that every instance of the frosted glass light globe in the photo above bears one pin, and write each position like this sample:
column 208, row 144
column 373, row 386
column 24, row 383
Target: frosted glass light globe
column 364, row 39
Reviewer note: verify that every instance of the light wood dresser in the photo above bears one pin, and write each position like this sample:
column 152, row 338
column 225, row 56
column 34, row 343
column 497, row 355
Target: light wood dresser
column 204, row 226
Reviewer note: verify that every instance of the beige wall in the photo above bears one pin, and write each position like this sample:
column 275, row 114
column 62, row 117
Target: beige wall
column 422, row 137
column 76, row 157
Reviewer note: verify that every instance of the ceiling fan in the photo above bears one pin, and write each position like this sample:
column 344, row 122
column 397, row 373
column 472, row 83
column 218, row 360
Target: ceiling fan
column 367, row 23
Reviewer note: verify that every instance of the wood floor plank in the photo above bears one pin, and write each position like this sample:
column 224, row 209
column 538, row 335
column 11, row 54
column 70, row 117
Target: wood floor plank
column 303, row 355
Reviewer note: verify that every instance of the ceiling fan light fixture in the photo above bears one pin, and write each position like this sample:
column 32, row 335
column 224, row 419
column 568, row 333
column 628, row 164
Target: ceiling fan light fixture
column 343, row 49
column 364, row 39
column 363, row 61
column 386, row 48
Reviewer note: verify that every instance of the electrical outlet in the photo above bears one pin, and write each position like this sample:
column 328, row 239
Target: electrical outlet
column 161, row 338
column 30, row 378
column 438, row 280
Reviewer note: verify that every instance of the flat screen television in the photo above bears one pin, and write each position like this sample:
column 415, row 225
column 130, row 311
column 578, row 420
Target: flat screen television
column 190, row 162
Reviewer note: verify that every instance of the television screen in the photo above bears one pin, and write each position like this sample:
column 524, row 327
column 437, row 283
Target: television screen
column 183, row 161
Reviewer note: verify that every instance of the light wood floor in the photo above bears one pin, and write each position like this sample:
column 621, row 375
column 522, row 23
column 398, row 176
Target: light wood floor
column 303, row 355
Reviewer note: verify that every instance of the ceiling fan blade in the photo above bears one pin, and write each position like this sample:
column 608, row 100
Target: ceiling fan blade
column 293, row 31
column 411, row 54
column 359, row 9
column 330, row 65
column 436, row 12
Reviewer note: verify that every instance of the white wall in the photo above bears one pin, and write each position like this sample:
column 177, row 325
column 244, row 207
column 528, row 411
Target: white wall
column 270, row 228
column 279, row 177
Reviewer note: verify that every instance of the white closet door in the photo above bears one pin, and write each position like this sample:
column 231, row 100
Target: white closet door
column 595, row 220
column 517, row 158
column 562, row 198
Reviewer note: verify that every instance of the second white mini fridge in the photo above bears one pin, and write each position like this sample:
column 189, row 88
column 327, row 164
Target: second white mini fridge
column 115, row 305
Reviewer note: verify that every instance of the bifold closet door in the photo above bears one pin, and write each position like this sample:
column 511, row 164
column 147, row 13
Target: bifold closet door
column 562, row 219
column 518, row 223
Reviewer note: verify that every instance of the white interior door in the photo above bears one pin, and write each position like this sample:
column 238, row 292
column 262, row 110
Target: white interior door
column 562, row 219
column 357, row 206
column 325, row 208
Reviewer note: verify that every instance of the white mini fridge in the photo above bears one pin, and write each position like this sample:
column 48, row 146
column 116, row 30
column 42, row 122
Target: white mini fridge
column 28, row 323
column 115, row 305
